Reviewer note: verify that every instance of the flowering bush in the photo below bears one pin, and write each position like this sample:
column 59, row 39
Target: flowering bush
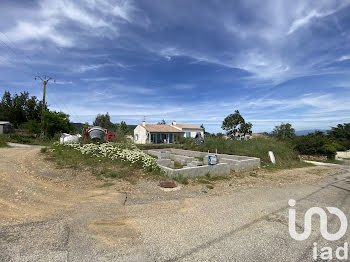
column 123, row 152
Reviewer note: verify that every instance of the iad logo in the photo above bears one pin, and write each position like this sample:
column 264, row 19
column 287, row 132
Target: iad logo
column 326, row 252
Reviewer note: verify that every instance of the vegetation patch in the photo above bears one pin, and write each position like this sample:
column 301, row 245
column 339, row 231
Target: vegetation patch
column 25, row 138
column 107, row 184
column 181, row 179
column 110, row 160
column 3, row 141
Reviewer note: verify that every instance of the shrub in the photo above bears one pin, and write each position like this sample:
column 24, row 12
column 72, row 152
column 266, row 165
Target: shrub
column 3, row 141
column 316, row 144
column 127, row 154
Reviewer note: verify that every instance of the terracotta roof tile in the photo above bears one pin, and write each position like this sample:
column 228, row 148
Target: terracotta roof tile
column 161, row 128
column 188, row 126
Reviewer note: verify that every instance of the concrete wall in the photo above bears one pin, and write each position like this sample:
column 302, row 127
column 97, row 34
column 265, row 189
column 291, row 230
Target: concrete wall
column 187, row 152
column 237, row 163
column 185, row 157
column 219, row 169
column 1, row 129
column 142, row 135
column 342, row 154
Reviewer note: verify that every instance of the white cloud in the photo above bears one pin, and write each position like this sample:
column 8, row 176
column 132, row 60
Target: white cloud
column 49, row 22
column 92, row 67
column 101, row 79
column 40, row 31
column 183, row 86
column 85, row 68
column 343, row 58
column 324, row 9
column 300, row 22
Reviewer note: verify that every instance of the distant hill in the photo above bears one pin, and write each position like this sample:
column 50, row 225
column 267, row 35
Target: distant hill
column 305, row 132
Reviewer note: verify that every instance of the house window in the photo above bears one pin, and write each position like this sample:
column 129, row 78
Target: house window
column 188, row 134
column 136, row 137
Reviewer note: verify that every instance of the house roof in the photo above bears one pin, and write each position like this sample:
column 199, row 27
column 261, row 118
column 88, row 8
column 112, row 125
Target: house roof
column 5, row 123
column 189, row 126
column 161, row 128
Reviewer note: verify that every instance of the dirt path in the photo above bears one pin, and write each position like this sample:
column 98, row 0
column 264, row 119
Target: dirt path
column 53, row 214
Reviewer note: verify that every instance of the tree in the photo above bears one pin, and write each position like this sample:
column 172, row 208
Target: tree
column 162, row 122
column 235, row 126
column 6, row 106
column 341, row 134
column 123, row 128
column 56, row 122
column 283, row 131
column 316, row 144
column 19, row 109
column 246, row 128
column 104, row 121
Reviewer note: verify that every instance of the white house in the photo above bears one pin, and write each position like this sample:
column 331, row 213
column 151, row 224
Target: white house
column 188, row 129
column 5, row 127
column 160, row 134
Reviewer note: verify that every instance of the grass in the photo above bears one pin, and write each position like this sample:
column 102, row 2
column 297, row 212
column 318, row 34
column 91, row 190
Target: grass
column 208, row 179
column 28, row 139
column 332, row 161
column 177, row 165
column 285, row 156
column 107, row 184
column 43, row 150
column 100, row 167
column 3, row 141
column 181, row 179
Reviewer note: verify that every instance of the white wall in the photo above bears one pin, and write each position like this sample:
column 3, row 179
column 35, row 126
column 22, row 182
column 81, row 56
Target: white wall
column 193, row 132
column 342, row 154
column 142, row 135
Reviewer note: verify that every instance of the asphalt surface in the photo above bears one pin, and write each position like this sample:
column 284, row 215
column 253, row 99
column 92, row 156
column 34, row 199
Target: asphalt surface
column 251, row 225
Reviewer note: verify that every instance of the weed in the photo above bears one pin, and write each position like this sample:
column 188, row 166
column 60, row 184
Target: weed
column 181, row 179
column 203, row 191
column 43, row 150
column 107, row 184
column 177, row 165
column 203, row 181
column 253, row 174
column 115, row 174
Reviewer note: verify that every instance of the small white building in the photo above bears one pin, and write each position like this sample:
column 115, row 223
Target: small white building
column 5, row 127
column 164, row 134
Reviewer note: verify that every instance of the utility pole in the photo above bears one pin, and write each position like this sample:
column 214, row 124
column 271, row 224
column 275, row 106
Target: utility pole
column 44, row 80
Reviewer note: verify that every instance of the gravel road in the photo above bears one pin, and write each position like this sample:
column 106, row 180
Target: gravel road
column 50, row 214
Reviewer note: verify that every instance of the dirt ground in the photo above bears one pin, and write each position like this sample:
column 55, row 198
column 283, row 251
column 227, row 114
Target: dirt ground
column 33, row 188
column 50, row 213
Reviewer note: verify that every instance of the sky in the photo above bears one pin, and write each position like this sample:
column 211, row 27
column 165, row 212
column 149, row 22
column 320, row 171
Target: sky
column 190, row 61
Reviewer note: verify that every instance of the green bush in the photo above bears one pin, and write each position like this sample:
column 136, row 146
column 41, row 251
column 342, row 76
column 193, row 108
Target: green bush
column 316, row 144
column 56, row 122
column 3, row 141
column 32, row 126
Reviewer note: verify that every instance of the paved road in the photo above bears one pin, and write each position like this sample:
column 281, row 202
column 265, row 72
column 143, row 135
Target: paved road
column 251, row 225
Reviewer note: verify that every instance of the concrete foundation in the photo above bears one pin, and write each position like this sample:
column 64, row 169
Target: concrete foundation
column 194, row 166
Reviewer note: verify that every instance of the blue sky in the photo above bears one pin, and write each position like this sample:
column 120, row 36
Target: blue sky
column 190, row 61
